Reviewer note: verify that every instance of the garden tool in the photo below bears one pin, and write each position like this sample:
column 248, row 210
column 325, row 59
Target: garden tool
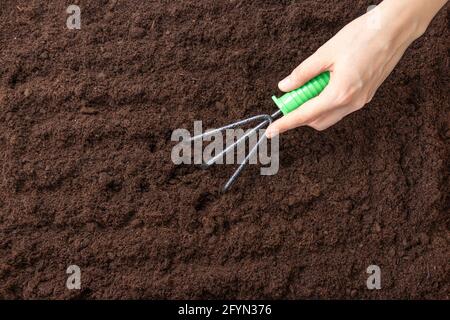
column 286, row 104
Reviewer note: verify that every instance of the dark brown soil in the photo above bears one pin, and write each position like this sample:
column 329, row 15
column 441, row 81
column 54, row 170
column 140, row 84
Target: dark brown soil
column 86, row 176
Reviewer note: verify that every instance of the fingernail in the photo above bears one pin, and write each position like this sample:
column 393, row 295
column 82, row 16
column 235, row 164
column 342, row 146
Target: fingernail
column 284, row 83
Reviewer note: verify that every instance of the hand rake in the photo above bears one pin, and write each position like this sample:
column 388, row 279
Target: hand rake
column 286, row 104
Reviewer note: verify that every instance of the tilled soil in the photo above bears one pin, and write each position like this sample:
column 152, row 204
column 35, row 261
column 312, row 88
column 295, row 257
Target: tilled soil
column 86, row 176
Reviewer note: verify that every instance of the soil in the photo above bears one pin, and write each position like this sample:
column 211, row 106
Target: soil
column 87, row 178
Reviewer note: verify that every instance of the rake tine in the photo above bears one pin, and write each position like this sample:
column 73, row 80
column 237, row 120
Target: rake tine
column 243, row 164
column 268, row 119
column 254, row 149
column 275, row 115
column 231, row 147
column 229, row 126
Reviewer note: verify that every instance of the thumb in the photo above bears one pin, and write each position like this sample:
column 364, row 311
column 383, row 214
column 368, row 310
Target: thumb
column 307, row 70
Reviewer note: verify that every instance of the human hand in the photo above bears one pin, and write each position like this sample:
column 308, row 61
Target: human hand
column 359, row 57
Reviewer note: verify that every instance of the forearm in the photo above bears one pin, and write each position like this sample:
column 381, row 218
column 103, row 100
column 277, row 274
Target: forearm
column 409, row 18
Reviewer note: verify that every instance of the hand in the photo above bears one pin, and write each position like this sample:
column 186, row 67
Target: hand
column 359, row 57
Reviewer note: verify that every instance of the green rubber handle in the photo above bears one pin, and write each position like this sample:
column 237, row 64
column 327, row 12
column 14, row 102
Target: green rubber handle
column 294, row 99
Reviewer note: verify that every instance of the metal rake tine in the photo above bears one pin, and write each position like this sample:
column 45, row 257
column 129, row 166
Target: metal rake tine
column 275, row 115
column 244, row 163
column 228, row 126
column 231, row 147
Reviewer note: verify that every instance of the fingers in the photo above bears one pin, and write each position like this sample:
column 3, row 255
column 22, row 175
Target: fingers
column 328, row 119
column 308, row 69
column 305, row 114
